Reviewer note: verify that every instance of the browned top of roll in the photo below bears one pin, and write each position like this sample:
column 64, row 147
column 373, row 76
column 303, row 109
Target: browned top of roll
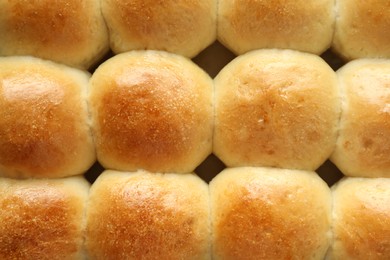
column 151, row 110
column 148, row 216
column 362, row 29
column 44, row 129
column 71, row 32
column 289, row 24
column 361, row 219
column 276, row 108
column 363, row 146
column 269, row 213
column 178, row 26
column 42, row 219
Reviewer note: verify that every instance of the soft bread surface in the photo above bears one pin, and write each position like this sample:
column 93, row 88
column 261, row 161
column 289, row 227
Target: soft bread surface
column 145, row 215
column 179, row 26
column 276, row 108
column 269, row 213
column 305, row 25
column 42, row 219
column 44, row 130
column 363, row 146
column 71, row 32
column 362, row 29
column 361, row 219
column 151, row 110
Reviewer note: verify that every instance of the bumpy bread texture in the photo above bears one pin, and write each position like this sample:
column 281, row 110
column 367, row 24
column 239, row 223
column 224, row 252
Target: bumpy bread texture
column 269, row 213
column 362, row 29
column 71, row 32
column 287, row 24
column 44, row 128
column 42, row 219
column 363, row 146
column 148, row 216
column 361, row 219
column 151, row 110
column 276, row 108
column 179, row 26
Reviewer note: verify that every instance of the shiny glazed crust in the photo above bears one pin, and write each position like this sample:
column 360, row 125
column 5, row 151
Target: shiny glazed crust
column 269, row 213
column 245, row 25
column 179, row 26
column 72, row 32
column 276, row 108
column 361, row 219
column 363, row 146
column 145, row 215
column 362, row 29
column 42, row 219
column 151, row 110
column 44, row 124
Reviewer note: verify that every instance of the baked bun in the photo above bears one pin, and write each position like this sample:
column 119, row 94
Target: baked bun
column 151, row 110
column 361, row 219
column 145, row 215
column 304, row 25
column 42, row 219
column 276, row 108
column 363, row 146
column 362, row 29
column 72, row 32
column 178, row 26
column 44, row 130
column 269, row 213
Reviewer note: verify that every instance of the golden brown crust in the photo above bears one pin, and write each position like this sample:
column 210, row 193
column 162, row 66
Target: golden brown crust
column 151, row 110
column 361, row 219
column 148, row 216
column 276, row 108
column 289, row 24
column 71, row 32
column 178, row 26
column 363, row 146
column 362, row 29
column 42, row 219
column 43, row 120
column 260, row 213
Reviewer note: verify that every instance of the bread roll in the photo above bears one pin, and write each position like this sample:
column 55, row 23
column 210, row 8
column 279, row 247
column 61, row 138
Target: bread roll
column 276, row 108
column 142, row 215
column 362, row 29
column 151, row 110
column 269, row 213
column 71, row 32
column 42, row 219
column 361, row 219
column 178, row 26
column 363, row 146
column 287, row 24
column 44, row 129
